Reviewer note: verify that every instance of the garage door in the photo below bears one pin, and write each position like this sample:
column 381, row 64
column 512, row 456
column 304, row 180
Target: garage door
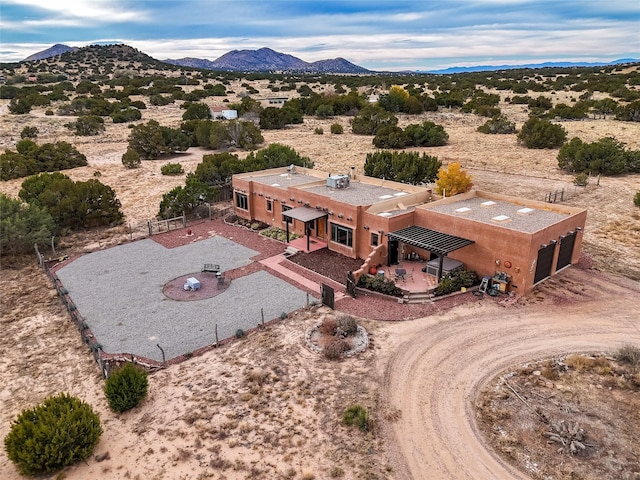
column 566, row 250
column 543, row 267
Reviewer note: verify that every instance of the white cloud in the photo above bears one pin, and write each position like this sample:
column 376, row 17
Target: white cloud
column 102, row 11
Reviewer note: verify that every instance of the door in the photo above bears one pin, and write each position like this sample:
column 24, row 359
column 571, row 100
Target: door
column 545, row 260
column 393, row 252
column 566, row 251
column 320, row 228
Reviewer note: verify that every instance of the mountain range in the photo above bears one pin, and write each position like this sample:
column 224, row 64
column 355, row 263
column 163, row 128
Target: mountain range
column 265, row 59
column 268, row 60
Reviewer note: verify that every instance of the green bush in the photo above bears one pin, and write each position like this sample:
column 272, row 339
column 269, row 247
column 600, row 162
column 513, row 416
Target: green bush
column 336, row 129
column 126, row 387
column 131, row 158
column 318, row 131
column 636, row 199
column 61, row 431
column 454, row 281
column 172, row 169
column 357, row 415
column 537, row 133
column 29, row 132
column 379, row 284
column 499, row 124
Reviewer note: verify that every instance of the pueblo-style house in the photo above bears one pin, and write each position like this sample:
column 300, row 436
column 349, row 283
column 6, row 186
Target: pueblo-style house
column 385, row 222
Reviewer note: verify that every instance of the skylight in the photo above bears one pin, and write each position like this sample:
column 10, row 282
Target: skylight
column 384, row 197
column 501, row 218
column 462, row 210
column 526, row 211
column 488, row 203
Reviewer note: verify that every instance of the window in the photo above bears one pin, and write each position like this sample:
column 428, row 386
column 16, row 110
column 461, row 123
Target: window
column 286, row 219
column 242, row 201
column 342, row 235
column 375, row 239
column 269, row 206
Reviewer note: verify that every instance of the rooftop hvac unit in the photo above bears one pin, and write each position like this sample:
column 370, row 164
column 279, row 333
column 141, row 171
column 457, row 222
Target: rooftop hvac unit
column 338, row 181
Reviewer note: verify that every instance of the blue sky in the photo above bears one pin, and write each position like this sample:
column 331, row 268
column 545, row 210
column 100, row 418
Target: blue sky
column 379, row 35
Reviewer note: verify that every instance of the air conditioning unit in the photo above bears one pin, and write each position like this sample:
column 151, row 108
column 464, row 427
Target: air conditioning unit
column 338, row 181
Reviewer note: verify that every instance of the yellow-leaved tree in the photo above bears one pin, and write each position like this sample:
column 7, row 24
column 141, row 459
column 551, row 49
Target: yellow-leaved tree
column 453, row 180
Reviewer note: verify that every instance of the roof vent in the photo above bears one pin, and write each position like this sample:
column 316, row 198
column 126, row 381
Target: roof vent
column 488, row 203
column 526, row 211
column 501, row 219
column 462, row 210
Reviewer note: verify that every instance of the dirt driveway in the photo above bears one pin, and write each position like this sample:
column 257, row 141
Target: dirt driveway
column 435, row 367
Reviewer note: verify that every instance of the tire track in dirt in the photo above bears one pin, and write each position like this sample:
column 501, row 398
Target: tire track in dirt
column 439, row 365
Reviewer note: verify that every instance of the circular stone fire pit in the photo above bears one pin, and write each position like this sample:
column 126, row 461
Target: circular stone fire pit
column 174, row 289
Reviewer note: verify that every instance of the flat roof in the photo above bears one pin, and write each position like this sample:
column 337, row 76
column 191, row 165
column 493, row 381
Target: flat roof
column 519, row 217
column 358, row 193
column 282, row 180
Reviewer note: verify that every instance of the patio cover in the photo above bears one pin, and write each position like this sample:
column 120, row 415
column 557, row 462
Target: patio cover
column 304, row 214
column 431, row 240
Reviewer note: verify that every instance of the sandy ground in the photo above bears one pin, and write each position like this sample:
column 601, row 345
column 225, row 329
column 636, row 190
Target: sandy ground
column 267, row 407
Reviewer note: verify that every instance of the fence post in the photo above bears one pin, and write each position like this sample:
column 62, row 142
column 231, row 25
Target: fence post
column 184, row 219
column 149, row 226
column 216, row 335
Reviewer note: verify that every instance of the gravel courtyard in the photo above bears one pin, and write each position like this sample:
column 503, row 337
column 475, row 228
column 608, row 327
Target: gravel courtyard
column 119, row 293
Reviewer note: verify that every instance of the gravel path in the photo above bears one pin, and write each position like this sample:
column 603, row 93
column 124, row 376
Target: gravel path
column 119, row 292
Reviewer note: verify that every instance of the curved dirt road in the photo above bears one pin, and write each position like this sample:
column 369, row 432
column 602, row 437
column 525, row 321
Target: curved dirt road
column 438, row 366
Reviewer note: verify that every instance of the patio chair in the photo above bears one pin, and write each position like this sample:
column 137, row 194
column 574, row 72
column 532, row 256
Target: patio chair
column 400, row 274
column 410, row 274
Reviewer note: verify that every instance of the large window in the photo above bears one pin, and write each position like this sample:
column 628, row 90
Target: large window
column 375, row 239
column 242, row 201
column 269, row 206
column 342, row 235
column 284, row 209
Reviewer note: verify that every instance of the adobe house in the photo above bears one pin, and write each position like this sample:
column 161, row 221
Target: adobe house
column 383, row 222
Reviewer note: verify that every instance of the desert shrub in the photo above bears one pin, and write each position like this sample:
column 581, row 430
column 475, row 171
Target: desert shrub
column 328, row 326
column 584, row 363
column 636, row 199
column 126, row 387
column 48, row 112
column 22, row 225
column 239, row 333
column 453, row 180
column 581, row 179
column 318, row 131
column 379, row 284
column 548, row 371
column 335, row 348
column 537, row 133
column 336, row 129
column 499, row 124
column 357, row 415
column 629, row 354
column 61, row 431
column 29, row 132
column 87, row 125
column 131, row 158
column 454, row 281
column 347, row 326
column 172, row 169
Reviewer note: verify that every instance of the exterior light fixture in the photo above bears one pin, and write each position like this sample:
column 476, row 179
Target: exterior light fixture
column 340, row 215
column 349, row 218
column 381, row 231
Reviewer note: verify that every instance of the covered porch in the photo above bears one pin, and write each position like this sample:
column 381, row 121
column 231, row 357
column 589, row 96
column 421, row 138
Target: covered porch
column 310, row 218
column 436, row 243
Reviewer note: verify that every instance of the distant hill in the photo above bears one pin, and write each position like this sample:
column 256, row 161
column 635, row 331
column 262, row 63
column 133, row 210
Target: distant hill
column 489, row 68
column 268, row 60
column 57, row 49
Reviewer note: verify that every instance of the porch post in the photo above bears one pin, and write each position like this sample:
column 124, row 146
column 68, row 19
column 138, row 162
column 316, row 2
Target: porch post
column 287, row 227
column 307, row 231
column 441, row 258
